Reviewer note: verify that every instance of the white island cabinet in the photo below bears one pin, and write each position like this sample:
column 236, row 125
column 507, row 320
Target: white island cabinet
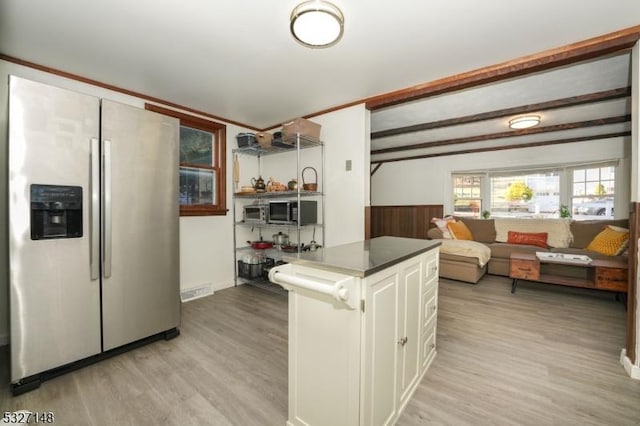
column 362, row 329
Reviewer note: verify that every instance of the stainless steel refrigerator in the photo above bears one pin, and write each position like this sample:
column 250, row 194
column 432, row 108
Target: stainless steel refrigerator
column 93, row 229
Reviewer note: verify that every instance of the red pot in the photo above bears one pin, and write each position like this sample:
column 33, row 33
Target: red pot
column 260, row 244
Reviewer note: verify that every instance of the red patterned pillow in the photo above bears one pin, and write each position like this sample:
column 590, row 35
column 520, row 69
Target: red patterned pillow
column 528, row 238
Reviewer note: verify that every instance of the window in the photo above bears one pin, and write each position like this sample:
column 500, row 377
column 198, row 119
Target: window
column 586, row 191
column 467, row 195
column 593, row 192
column 202, row 164
column 516, row 195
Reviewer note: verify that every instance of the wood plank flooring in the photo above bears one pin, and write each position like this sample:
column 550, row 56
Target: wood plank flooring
column 547, row 355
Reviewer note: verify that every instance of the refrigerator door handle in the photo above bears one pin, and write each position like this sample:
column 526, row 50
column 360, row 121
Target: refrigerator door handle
column 106, row 202
column 94, row 212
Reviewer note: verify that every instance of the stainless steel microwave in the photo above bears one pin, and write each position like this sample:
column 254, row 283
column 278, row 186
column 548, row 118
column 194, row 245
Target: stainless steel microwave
column 286, row 212
column 255, row 213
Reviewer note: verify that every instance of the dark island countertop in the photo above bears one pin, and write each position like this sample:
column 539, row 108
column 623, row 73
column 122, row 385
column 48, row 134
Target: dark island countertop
column 363, row 258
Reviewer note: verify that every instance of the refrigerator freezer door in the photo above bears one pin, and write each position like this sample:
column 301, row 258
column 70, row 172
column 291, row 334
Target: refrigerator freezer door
column 140, row 295
column 55, row 306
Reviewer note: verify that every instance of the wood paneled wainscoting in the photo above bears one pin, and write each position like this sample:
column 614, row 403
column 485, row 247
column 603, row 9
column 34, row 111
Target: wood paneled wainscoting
column 403, row 221
column 632, row 305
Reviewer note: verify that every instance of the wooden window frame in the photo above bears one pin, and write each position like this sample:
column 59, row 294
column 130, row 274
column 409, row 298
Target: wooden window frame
column 220, row 161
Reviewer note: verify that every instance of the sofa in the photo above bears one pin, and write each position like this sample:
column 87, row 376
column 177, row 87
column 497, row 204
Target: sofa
column 489, row 251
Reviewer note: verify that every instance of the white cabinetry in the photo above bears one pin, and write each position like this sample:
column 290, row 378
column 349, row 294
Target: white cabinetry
column 359, row 365
column 395, row 334
column 429, row 311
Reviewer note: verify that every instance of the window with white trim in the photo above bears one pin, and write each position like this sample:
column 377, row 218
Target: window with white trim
column 467, row 195
column 593, row 192
column 525, row 194
column 584, row 191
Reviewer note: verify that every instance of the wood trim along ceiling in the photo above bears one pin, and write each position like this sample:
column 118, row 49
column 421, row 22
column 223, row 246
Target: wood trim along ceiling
column 120, row 90
column 501, row 148
column 564, row 55
column 615, row 42
column 569, row 54
column 607, row 95
column 507, row 134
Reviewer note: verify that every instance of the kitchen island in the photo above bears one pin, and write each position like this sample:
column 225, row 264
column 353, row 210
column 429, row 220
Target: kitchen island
column 362, row 329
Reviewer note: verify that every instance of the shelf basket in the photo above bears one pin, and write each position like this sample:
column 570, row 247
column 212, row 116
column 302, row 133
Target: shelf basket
column 310, row 186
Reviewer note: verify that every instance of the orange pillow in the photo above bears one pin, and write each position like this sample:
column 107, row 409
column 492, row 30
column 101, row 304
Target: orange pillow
column 459, row 231
column 528, row 238
column 612, row 241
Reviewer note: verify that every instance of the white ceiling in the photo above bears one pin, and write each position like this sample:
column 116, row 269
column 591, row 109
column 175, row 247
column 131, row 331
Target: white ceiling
column 236, row 59
column 598, row 75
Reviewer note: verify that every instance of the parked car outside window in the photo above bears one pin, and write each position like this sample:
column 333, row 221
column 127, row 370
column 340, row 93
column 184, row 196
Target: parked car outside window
column 594, row 208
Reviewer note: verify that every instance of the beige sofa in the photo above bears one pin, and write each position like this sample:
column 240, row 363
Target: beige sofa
column 565, row 236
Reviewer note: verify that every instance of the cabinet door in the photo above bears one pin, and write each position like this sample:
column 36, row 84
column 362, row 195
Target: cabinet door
column 380, row 348
column 429, row 343
column 409, row 314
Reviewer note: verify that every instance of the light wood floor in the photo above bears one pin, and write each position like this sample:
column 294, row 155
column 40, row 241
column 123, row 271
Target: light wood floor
column 547, row 355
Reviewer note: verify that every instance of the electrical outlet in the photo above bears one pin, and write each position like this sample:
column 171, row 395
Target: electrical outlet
column 347, row 165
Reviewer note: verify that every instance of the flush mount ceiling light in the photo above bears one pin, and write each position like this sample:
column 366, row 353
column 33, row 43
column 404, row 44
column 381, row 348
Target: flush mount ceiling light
column 524, row 122
column 317, row 23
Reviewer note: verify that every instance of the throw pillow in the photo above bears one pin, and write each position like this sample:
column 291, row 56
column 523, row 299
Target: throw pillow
column 483, row 230
column 528, row 238
column 442, row 226
column 459, row 231
column 612, row 241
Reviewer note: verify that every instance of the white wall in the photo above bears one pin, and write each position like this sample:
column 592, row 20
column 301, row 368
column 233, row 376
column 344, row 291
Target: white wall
column 347, row 137
column 635, row 123
column 428, row 181
column 634, row 369
column 206, row 257
column 205, row 242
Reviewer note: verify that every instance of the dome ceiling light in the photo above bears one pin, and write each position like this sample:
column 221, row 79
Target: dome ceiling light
column 317, row 24
column 524, row 122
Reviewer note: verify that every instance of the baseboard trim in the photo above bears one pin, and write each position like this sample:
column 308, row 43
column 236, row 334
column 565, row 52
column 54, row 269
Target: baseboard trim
column 222, row 285
column 632, row 370
column 4, row 339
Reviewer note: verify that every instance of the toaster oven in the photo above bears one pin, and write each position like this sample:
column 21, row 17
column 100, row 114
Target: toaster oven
column 255, row 213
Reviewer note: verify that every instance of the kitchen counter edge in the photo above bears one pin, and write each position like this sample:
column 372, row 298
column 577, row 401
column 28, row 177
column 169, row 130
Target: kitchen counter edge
column 363, row 258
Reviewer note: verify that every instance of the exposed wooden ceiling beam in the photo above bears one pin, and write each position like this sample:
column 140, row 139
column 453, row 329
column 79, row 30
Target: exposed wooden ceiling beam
column 507, row 134
column 606, row 95
column 375, row 169
column 501, row 148
column 569, row 54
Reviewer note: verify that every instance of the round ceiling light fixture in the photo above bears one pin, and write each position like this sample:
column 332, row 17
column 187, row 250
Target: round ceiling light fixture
column 524, row 122
column 317, row 23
